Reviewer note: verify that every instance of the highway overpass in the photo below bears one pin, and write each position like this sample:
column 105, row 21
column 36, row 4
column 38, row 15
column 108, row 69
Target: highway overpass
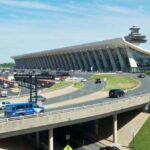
column 64, row 117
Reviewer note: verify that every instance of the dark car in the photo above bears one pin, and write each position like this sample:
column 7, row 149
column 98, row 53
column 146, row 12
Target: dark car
column 115, row 93
column 109, row 148
column 98, row 81
column 141, row 75
column 45, row 73
column 105, row 148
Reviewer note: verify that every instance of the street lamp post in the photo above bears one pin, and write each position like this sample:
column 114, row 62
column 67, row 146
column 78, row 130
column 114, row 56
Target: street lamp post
column 133, row 132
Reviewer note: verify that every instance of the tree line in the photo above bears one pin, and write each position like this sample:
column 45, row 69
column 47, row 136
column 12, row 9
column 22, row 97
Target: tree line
column 7, row 65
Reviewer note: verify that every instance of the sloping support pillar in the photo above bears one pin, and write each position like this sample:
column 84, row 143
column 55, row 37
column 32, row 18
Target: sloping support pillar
column 68, row 61
column 58, row 61
column 112, row 60
column 84, row 61
column 74, row 61
column 65, row 61
column 90, row 61
column 115, row 139
column 104, row 60
column 121, row 60
column 54, row 62
column 78, row 59
column 61, row 62
column 99, row 66
column 50, row 140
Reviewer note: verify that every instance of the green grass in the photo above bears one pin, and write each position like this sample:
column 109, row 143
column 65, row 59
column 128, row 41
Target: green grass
column 60, row 85
column 142, row 139
column 78, row 85
column 116, row 81
column 147, row 72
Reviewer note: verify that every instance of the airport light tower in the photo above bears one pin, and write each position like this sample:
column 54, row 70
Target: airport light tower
column 135, row 37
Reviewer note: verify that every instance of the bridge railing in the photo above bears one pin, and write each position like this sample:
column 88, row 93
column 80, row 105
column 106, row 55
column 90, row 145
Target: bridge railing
column 75, row 108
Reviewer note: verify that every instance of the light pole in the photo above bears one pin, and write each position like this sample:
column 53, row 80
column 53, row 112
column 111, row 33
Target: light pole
column 133, row 132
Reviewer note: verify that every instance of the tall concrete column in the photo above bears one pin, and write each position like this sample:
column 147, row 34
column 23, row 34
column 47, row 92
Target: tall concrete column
column 34, row 62
column 78, row 60
column 65, row 61
column 49, row 61
column 96, row 127
column 115, row 128
column 43, row 62
column 104, row 60
column 54, row 62
column 121, row 60
column 50, row 140
column 90, row 60
column 62, row 61
column 74, row 61
column 30, row 62
column 84, row 61
column 37, row 140
column 99, row 66
column 70, row 61
column 114, row 66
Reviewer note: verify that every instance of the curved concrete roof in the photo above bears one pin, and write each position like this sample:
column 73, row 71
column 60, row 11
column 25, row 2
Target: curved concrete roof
column 111, row 43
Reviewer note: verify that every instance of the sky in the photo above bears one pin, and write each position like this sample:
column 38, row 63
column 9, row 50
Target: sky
column 34, row 25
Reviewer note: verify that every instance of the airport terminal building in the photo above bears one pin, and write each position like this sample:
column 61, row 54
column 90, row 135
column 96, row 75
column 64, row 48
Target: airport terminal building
column 120, row 54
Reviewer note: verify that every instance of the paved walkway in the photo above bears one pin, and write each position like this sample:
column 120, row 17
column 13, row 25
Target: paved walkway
column 125, row 134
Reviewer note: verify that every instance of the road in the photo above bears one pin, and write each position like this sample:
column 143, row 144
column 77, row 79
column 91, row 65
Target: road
column 142, row 89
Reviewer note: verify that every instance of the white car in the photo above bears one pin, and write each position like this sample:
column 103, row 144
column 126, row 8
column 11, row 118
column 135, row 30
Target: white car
column 3, row 93
column 3, row 104
column 83, row 80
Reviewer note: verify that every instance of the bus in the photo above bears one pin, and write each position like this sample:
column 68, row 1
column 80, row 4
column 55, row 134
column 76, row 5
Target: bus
column 22, row 109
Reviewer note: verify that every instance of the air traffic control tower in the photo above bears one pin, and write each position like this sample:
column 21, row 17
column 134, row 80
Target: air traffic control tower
column 135, row 37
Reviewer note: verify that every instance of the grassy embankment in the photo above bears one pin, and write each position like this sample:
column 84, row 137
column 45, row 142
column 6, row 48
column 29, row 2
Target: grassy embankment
column 142, row 139
column 60, row 85
column 78, row 85
column 64, row 84
column 116, row 81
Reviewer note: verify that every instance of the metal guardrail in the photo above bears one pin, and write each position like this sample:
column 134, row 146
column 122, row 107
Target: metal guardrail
column 74, row 108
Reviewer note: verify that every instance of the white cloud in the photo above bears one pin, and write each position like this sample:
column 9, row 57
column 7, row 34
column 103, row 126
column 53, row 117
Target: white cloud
column 33, row 5
column 119, row 9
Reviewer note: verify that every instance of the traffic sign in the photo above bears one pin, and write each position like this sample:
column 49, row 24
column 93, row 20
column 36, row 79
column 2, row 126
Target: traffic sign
column 68, row 147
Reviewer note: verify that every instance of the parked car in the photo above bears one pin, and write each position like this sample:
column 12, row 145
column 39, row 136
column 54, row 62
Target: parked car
column 115, row 93
column 5, row 85
column 83, row 80
column 39, row 98
column 98, row 81
column 3, row 93
column 141, row 75
column 3, row 104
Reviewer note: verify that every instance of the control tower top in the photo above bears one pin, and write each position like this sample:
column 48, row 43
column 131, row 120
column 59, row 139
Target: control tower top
column 135, row 37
